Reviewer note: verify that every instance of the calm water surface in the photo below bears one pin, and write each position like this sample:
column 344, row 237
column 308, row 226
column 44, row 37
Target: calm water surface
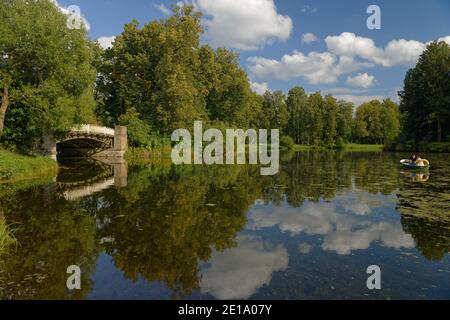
column 162, row 232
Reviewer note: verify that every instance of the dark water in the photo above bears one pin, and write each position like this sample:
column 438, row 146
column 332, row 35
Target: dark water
column 162, row 232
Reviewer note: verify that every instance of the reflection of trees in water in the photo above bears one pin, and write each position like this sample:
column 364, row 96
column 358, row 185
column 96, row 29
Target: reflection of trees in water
column 425, row 211
column 167, row 220
column 171, row 222
column 52, row 235
column 432, row 237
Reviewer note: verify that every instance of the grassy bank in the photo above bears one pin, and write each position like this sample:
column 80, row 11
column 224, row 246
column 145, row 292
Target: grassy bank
column 14, row 167
column 347, row 147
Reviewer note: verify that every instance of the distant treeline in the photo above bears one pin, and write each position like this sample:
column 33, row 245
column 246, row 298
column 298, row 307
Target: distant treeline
column 158, row 77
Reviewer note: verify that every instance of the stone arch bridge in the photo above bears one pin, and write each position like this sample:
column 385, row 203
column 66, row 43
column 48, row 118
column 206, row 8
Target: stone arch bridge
column 88, row 141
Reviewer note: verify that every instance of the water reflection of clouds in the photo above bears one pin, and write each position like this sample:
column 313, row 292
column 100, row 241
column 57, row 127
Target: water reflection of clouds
column 239, row 272
column 342, row 232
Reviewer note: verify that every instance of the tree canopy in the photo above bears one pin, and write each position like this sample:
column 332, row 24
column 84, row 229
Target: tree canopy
column 425, row 99
column 46, row 75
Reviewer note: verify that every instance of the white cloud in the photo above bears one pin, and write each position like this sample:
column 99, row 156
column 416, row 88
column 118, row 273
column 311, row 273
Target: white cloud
column 346, row 53
column 349, row 45
column 397, row 52
column 259, row 88
column 403, row 52
column 315, row 67
column 245, row 26
column 308, row 8
column 341, row 233
column 445, row 39
column 239, row 272
column 361, row 80
column 358, row 99
column 81, row 18
column 106, row 42
column 309, row 38
column 345, row 241
column 161, row 7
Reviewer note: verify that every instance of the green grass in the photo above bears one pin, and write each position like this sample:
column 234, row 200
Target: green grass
column 364, row 147
column 348, row 147
column 14, row 167
column 7, row 241
column 7, row 238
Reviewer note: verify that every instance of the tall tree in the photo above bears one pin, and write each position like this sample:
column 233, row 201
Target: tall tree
column 46, row 75
column 297, row 101
column 274, row 111
column 425, row 99
column 345, row 120
column 329, row 113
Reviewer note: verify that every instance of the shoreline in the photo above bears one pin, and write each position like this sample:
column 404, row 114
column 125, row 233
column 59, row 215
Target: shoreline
column 15, row 167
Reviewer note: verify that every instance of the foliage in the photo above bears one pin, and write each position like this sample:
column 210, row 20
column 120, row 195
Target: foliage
column 46, row 79
column 287, row 142
column 378, row 122
column 425, row 98
column 167, row 79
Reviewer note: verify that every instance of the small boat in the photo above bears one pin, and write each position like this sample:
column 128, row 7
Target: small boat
column 419, row 164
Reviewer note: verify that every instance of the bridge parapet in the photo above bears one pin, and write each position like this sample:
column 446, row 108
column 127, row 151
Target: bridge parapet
column 93, row 130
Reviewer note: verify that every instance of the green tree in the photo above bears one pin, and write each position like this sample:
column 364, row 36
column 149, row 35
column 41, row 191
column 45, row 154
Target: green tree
column 297, row 104
column 378, row 122
column 345, row 120
column 425, row 98
column 275, row 114
column 46, row 75
column 315, row 121
column 330, row 111
column 162, row 72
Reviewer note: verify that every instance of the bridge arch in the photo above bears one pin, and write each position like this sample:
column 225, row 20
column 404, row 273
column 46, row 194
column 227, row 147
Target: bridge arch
column 88, row 141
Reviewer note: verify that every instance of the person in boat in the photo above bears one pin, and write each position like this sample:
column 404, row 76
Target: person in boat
column 413, row 159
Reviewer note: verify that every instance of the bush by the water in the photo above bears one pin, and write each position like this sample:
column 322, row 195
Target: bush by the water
column 287, row 142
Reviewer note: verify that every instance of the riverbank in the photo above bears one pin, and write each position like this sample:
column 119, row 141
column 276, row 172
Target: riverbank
column 347, row 147
column 15, row 167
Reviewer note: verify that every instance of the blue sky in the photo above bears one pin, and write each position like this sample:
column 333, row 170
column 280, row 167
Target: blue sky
column 345, row 58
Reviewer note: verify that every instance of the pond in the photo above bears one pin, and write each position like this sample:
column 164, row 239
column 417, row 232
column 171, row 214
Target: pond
column 226, row 232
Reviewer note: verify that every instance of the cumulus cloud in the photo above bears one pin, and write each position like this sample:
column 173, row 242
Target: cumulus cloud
column 106, row 42
column 346, row 53
column 397, row 52
column 239, row 272
column 309, row 38
column 245, row 26
column 315, row 67
column 78, row 17
column 361, row 80
column 445, row 39
column 259, row 88
column 341, row 233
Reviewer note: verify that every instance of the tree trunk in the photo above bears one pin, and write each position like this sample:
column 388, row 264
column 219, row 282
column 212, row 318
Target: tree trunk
column 4, row 106
column 439, row 130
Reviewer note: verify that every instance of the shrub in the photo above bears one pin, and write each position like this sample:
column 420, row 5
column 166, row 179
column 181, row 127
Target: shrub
column 287, row 142
column 139, row 131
